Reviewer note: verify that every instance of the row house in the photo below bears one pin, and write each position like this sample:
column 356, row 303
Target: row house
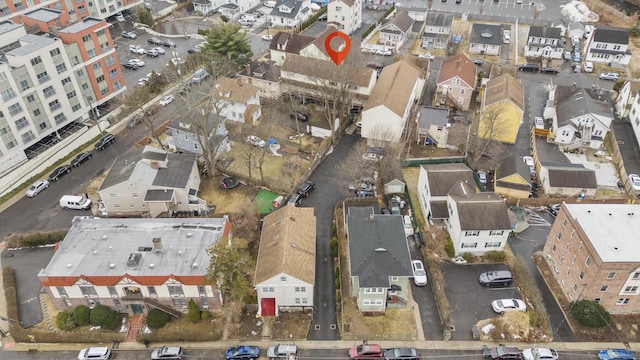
column 135, row 265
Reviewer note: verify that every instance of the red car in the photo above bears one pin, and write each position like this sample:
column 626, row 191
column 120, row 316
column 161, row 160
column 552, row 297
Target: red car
column 365, row 351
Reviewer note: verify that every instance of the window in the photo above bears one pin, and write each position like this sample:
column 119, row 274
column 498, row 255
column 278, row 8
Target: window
column 494, row 244
column 60, row 68
column 31, row 98
column 581, row 275
column 179, row 302
column 36, row 112
column 8, row 94
column 472, row 233
column 66, row 81
column 268, row 289
column 461, row 91
column 564, row 223
column 202, row 291
column 88, row 291
column 48, row 91
column 588, row 261
column 175, row 290
column 559, row 236
column 28, row 136
column 297, row 300
column 553, row 249
column 496, row 232
column 22, row 123
column 631, row 289
column 575, row 287
column 597, row 300
column 42, row 77
column 571, row 235
column 283, row 278
column 152, row 291
column 623, row 301
column 15, row 108
column 36, row 60
column 86, row 37
column 112, row 291
column 54, row 52
column 611, row 275
column 372, row 302
column 469, row 245
column 61, row 291
column 636, row 275
column 373, row 291
column 24, row 84
column 395, row 278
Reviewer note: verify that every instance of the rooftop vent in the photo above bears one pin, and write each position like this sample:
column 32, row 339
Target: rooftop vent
column 112, row 266
column 194, row 265
column 189, row 234
column 157, row 244
column 69, row 265
column 104, row 237
column 134, row 260
column 152, row 265
column 145, row 248
column 380, row 249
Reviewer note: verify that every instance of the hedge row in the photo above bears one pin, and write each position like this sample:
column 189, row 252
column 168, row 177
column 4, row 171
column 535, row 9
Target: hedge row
column 33, row 239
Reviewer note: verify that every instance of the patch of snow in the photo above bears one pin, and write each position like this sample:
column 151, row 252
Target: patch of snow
column 124, row 328
column 94, row 328
column 146, row 330
column 485, row 329
column 579, row 12
column 516, row 337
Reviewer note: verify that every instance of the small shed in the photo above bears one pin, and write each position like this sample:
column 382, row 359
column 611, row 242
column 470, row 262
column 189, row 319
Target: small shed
column 394, row 186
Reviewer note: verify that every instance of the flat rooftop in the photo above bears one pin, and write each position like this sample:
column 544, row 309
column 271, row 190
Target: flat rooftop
column 142, row 247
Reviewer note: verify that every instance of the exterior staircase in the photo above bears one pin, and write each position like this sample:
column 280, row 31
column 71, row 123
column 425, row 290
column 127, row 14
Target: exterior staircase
column 160, row 306
column 136, row 322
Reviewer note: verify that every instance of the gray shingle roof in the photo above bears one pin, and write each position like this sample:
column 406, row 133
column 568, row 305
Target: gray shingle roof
column 611, row 35
column 572, row 102
column 439, row 19
column 479, row 211
column 547, row 32
column 486, row 34
column 378, row 247
column 570, row 176
column 295, row 5
column 401, row 21
column 291, row 43
column 442, row 177
column 433, row 116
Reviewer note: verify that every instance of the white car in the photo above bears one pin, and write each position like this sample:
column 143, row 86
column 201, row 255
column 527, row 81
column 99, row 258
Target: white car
column 609, row 76
column 166, row 100
column 539, row 354
column 95, row 353
column 159, row 50
column 256, row 141
column 143, row 81
column 371, row 157
column 201, row 45
column 483, row 177
column 426, row 56
column 419, row 275
column 37, row 187
column 136, row 62
column 529, row 161
column 151, row 74
column 635, row 181
column 137, row 49
column 384, row 52
column 502, row 305
column 175, row 61
column 267, row 37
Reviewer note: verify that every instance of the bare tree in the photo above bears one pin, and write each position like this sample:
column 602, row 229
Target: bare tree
column 492, row 124
column 138, row 101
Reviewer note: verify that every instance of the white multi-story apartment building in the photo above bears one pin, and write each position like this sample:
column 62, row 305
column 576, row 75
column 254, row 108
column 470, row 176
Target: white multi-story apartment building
column 345, row 15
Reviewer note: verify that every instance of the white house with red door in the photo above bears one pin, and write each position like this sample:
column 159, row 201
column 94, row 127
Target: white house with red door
column 286, row 265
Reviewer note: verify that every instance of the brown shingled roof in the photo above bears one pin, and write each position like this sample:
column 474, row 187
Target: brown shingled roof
column 287, row 245
column 291, row 43
column 394, row 86
column 461, row 66
column 297, row 64
column 504, row 87
column 237, row 90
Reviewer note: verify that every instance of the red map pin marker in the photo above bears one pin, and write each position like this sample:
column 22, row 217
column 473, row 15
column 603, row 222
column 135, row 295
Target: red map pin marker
column 337, row 56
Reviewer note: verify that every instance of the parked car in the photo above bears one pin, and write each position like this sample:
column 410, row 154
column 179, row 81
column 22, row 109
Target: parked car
column 129, row 35
column 243, row 352
column 59, row 172
column 199, row 76
column 153, row 53
column 506, row 36
column 501, row 353
column 539, row 354
column 550, row 70
column 267, row 37
column 298, row 115
column 167, row 352
column 529, row 161
column 566, row 55
column 159, row 50
column 269, row 4
column 256, row 141
column 105, row 141
column 81, row 158
column 554, row 208
column 394, row 206
column 169, row 44
column 143, row 81
column 193, row 50
column 576, row 56
column 587, row 66
column 482, row 176
column 502, row 305
column 37, row 187
column 282, row 351
column 616, row 354
column 419, row 274
column 426, row 56
column 496, row 278
column 95, row 353
column 371, row 156
column 323, row 17
column 365, row 351
column 635, row 181
column 295, row 200
column 154, row 41
column 384, row 52
column 136, row 62
column 609, row 76
column 529, row 67
column 306, row 188
column 136, row 49
column 402, row 353
column 130, row 66
column 166, row 100
column 134, row 121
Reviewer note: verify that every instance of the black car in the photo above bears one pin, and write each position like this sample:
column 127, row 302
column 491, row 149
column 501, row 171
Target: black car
column 549, row 70
column 169, row 44
column 298, row 115
column 529, row 67
column 105, row 141
column 496, row 278
column 130, row 66
column 193, row 50
column 154, row 41
column 133, row 122
column 306, row 188
column 59, row 172
column 80, row 158
column 295, row 200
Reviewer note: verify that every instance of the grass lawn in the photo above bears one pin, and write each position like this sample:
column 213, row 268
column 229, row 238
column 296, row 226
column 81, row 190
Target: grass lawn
column 395, row 324
column 264, row 201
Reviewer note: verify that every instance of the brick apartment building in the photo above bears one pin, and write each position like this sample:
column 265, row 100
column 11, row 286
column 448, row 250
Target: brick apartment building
column 594, row 254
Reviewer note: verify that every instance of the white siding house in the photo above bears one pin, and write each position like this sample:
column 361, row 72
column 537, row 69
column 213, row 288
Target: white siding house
column 434, row 183
column 345, row 15
column 242, row 100
column 289, row 13
column 544, row 42
column 609, row 45
column 437, row 30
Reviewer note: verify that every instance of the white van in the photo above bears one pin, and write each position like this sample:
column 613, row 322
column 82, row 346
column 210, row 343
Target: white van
column 120, row 17
column 269, row 4
column 75, row 202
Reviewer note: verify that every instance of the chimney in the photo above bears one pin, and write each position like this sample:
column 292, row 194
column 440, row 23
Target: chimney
column 157, row 244
column 458, row 64
column 154, row 164
column 371, row 217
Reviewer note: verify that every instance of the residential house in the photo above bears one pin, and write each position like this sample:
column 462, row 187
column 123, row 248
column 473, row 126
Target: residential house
column 289, row 13
column 609, row 45
column 316, row 78
column 634, row 115
column 241, row 100
column 433, row 126
column 187, row 134
column 265, row 75
column 394, row 31
column 456, row 82
column 316, row 49
column 512, row 178
column 568, row 180
column 595, row 262
column 135, row 265
column 437, row 30
column 230, row 9
column 284, row 43
column 285, row 269
column 205, row 7
column 485, row 39
column 374, row 240
column 345, row 15
column 434, row 183
column 150, row 182
column 544, row 42
column 624, row 100
column 580, row 116
column 502, row 109
column 385, row 113
column 489, row 71
column 478, row 222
